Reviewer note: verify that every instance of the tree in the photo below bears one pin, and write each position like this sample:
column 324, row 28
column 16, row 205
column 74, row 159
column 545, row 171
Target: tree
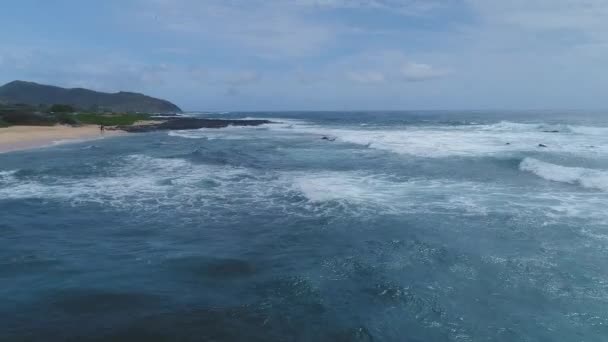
column 61, row 108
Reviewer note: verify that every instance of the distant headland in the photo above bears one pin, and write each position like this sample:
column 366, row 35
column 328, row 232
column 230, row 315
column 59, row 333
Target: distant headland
column 34, row 115
column 34, row 94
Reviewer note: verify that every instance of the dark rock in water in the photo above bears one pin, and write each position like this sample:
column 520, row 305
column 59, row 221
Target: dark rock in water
column 542, row 145
column 180, row 123
column 328, row 138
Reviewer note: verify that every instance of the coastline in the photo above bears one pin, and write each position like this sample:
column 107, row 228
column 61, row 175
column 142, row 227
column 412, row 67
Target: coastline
column 17, row 138
column 22, row 137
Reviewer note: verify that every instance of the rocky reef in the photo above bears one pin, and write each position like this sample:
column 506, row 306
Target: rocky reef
column 182, row 123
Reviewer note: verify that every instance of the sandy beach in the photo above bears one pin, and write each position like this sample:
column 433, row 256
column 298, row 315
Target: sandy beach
column 16, row 138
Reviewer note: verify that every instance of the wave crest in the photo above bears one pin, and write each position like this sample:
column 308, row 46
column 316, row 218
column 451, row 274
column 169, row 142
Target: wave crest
column 587, row 178
column 7, row 176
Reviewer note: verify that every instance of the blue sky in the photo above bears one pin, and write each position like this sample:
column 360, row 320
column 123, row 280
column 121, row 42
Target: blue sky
column 317, row 54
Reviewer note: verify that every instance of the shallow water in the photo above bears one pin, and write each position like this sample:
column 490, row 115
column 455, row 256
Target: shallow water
column 440, row 226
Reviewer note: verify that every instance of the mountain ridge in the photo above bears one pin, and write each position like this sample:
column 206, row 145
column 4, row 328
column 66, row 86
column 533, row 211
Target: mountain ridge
column 32, row 93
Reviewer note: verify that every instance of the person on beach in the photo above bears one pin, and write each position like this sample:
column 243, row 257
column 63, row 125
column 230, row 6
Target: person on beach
column 102, row 128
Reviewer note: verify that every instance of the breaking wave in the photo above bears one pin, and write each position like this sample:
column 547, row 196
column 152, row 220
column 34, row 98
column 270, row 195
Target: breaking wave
column 149, row 184
column 363, row 194
column 7, row 176
column 439, row 141
column 432, row 141
column 587, row 178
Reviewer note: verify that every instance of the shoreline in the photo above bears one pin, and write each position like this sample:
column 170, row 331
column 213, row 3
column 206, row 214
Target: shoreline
column 19, row 138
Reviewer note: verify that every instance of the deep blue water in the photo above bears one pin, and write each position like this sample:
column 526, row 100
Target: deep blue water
column 430, row 226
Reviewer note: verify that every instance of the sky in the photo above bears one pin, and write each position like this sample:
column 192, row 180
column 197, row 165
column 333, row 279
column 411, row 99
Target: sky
column 317, row 54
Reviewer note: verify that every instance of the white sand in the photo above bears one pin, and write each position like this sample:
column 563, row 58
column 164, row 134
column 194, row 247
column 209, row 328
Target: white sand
column 24, row 137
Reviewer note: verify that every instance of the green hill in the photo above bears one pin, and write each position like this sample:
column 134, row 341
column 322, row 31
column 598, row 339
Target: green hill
column 35, row 94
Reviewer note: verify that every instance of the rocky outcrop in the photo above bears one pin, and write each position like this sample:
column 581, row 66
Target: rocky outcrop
column 181, row 123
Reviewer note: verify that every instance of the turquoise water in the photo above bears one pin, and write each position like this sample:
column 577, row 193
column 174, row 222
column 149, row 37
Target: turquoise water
column 430, row 226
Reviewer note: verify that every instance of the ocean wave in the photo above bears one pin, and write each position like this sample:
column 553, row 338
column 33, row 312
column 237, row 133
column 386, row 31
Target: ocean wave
column 224, row 133
column 361, row 195
column 587, row 178
column 232, row 131
column 135, row 180
column 74, row 140
column 369, row 195
column 509, row 126
column 433, row 141
column 145, row 184
column 601, row 131
column 187, row 134
column 439, row 141
column 7, row 176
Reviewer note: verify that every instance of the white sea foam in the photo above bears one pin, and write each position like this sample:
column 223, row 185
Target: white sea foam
column 228, row 133
column 7, row 176
column 7, row 173
column 238, row 132
column 601, row 131
column 357, row 193
column 135, row 180
column 365, row 195
column 435, row 141
column 508, row 126
column 75, row 140
column 147, row 183
column 588, row 178
column 187, row 134
column 225, row 133
column 462, row 140
column 144, row 183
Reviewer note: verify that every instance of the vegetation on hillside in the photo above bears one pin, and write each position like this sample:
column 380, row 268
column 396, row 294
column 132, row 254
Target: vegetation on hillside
column 35, row 94
column 25, row 115
column 61, row 108
column 109, row 119
column 62, row 114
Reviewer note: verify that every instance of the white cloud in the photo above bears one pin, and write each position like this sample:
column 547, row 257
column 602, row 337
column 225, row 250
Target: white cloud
column 531, row 50
column 415, row 72
column 266, row 28
column 388, row 67
column 407, row 7
column 585, row 18
column 269, row 28
column 545, row 14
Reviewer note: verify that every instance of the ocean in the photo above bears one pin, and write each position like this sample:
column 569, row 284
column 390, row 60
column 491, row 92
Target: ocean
column 323, row 226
